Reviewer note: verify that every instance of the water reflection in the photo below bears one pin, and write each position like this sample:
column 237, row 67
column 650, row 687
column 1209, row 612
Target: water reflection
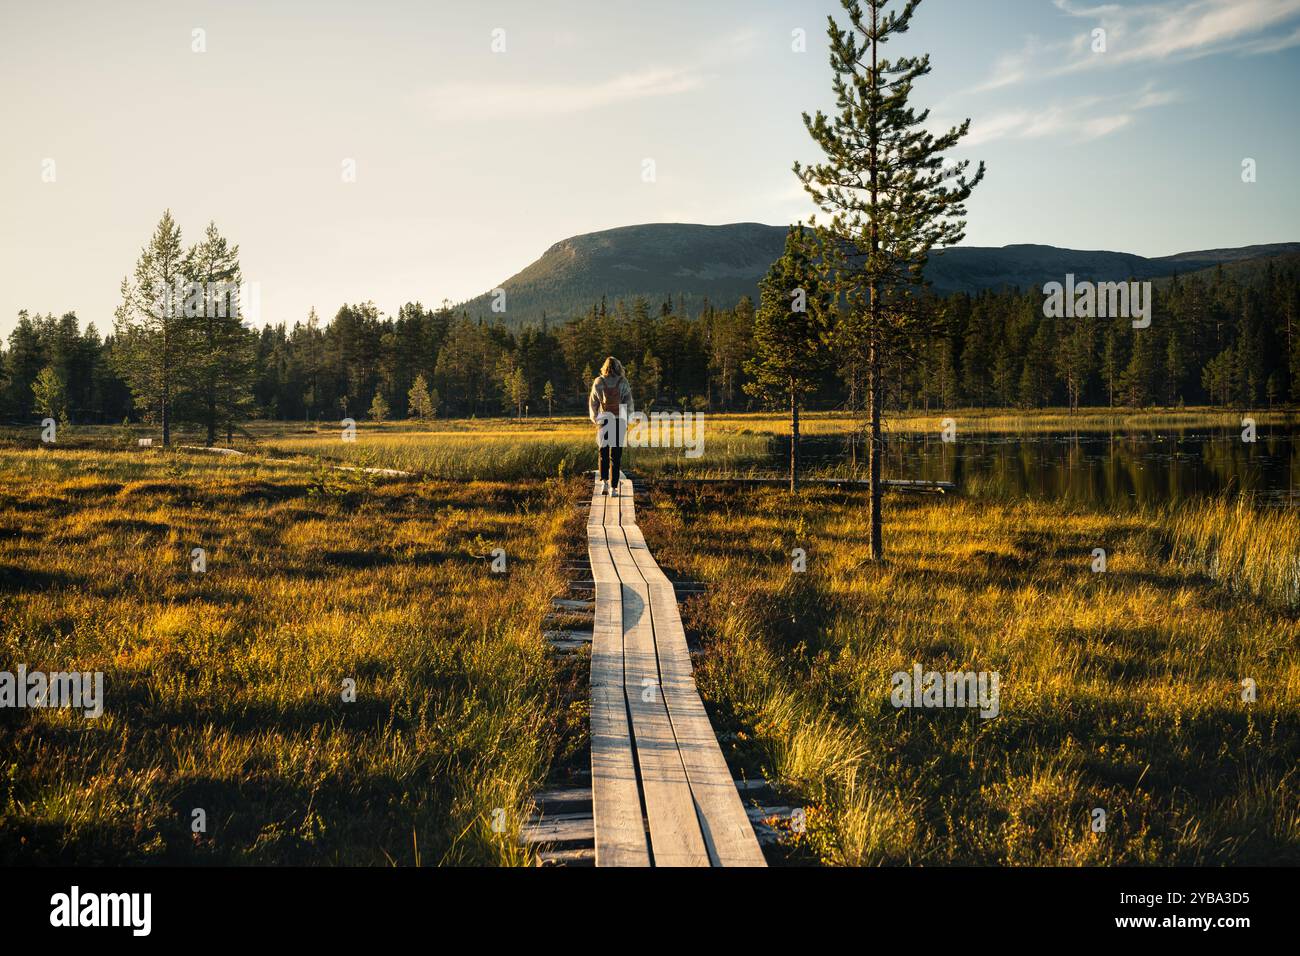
column 1089, row 467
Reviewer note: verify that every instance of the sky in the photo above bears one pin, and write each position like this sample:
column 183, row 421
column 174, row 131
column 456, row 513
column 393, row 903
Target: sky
column 483, row 132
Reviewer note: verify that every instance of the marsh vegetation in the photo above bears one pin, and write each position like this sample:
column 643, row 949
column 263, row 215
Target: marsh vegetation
column 1120, row 690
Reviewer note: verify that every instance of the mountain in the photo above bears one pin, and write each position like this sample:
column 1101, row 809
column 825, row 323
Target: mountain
column 971, row 268
column 656, row 260
column 722, row 263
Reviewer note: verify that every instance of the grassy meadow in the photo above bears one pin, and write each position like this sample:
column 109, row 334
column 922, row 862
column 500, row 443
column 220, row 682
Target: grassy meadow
column 1120, row 690
column 225, row 689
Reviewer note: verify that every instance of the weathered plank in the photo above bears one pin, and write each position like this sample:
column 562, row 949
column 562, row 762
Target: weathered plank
column 675, row 836
column 726, row 828
column 641, row 662
column 626, row 512
column 568, row 604
column 571, row 799
column 558, row 828
column 581, row 856
column 616, row 802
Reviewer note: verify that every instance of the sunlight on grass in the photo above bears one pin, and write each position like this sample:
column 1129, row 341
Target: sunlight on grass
column 224, row 689
column 1120, row 690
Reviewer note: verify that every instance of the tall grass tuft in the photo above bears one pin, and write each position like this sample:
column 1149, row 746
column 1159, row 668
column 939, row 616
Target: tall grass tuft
column 1245, row 548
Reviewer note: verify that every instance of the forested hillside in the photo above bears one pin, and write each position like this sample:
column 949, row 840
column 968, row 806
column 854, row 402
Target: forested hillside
column 1229, row 337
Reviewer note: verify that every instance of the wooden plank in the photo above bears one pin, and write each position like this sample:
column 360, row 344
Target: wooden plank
column 570, row 857
column 596, row 511
column 692, row 806
column 568, row 636
column 626, row 513
column 574, row 798
column 675, row 835
column 558, row 828
column 726, row 828
column 569, row 604
column 620, row 835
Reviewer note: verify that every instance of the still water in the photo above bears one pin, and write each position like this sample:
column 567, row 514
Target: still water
column 1101, row 468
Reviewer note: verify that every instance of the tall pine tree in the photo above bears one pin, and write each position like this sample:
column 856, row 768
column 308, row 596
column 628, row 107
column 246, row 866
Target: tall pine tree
column 890, row 197
column 224, row 358
column 789, row 335
column 152, row 352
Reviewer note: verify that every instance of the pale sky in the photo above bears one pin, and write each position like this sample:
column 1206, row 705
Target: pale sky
column 470, row 163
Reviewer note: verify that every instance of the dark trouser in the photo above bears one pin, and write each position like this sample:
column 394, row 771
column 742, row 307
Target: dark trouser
column 610, row 457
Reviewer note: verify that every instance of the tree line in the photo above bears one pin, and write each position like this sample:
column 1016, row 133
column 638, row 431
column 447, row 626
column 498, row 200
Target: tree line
column 1225, row 339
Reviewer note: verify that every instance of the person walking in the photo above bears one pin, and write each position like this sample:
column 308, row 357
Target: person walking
column 610, row 405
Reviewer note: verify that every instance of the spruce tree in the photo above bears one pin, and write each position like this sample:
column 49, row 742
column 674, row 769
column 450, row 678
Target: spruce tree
column 790, row 333
column 890, row 198
column 224, row 359
column 152, row 350
column 419, row 402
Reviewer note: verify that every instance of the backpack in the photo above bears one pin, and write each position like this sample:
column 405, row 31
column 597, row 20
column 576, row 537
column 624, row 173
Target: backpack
column 611, row 397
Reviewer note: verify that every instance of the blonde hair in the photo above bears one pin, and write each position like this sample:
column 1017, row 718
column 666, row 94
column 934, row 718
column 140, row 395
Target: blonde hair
column 612, row 367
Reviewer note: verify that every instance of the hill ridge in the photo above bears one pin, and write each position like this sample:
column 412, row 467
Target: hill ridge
column 694, row 262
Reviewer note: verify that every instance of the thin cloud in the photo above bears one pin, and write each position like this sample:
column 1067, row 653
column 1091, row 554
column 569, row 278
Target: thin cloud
column 488, row 101
column 1078, row 120
column 1153, row 32
column 1011, row 68
column 478, row 101
column 1273, row 44
column 1169, row 31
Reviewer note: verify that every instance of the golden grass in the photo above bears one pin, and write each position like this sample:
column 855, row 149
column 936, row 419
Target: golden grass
column 224, row 689
column 1120, row 690
column 1251, row 551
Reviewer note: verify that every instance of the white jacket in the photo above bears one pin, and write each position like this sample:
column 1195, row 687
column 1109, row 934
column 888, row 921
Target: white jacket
column 611, row 427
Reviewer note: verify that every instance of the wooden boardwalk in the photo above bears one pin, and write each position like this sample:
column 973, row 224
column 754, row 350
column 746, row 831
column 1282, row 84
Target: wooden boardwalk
column 661, row 791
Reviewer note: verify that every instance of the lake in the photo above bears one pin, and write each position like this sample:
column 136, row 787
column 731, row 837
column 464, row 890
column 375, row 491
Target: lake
column 1088, row 467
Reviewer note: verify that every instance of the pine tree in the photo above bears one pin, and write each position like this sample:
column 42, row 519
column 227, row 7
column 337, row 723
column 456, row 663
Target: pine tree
column 890, row 197
column 1036, row 376
column 651, row 379
column 548, row 396
column 730, row 346
column 1175, row 368
column 1251, row 356
column 790, row 333
column 23, row 362
column 223, row 359
column 1291, row 336
column 1137, row 382
column 1074, row 359
column 153, row 351
column 1217, row 378
column 946, row 376
column 1111, row 363
column 51, row 397
column 517, row 391
column 419, row 402
column 379, row 408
